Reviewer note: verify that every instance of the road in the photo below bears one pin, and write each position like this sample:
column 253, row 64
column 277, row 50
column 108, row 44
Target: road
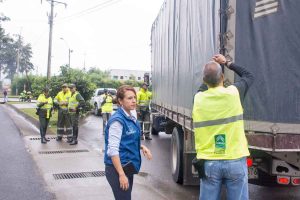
column 20, row 178
column 158, row 170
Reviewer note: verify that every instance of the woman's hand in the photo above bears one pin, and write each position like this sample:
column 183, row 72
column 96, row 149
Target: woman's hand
column 124, row 184
column 146, row 152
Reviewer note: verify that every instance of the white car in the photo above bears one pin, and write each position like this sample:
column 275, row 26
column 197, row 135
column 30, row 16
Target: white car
column 97, row 99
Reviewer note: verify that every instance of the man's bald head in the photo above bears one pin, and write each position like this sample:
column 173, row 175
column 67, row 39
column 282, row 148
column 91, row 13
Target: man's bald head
column 212, row 74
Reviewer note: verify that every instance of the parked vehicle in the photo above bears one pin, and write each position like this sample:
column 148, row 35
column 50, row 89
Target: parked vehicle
column 96, row 100
column 260, row 35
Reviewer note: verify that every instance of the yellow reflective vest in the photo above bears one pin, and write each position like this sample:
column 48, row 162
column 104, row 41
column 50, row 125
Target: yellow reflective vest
column 42, row 99
column 218, row 124
column 107, row 107
column 144, row 97
column 73, row 103
column 62, row 97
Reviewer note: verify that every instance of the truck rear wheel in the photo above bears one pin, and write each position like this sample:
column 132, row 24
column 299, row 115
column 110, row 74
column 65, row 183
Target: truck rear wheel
column 177, row 155
column 154, row 131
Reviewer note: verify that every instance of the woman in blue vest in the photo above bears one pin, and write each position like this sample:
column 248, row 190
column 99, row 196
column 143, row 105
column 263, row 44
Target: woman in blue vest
column 122, row 145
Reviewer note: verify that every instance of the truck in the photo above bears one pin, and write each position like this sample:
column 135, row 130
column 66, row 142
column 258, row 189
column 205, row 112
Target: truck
column 261, row 35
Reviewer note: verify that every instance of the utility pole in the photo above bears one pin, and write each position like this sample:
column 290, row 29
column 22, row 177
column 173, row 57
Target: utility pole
column 50, row 36
column 18, row 61
column 50, row 41
column 84, row 61
column 18, row 66
column 69, row 50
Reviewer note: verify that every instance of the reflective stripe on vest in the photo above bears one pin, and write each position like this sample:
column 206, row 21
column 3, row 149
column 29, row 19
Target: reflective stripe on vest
column 218, row 121
column 218, row 124
column 73, row 103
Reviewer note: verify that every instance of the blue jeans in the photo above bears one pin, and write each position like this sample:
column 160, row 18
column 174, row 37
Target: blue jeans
column 232, row 173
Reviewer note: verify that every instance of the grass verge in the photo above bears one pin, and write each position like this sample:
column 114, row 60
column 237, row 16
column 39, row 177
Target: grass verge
column 53, row 120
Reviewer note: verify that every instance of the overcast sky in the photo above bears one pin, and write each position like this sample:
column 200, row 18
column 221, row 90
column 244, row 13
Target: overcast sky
column 103, row 33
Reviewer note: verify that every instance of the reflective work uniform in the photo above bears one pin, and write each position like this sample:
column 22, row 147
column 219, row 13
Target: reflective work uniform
column 218, row 124
column 75, row 101
column 63, row 120
column 143, row 102
column 106, row 109
column 220, row 140
column 44, row 112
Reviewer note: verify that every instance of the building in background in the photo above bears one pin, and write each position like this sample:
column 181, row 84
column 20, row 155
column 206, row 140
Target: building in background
column 122, row 74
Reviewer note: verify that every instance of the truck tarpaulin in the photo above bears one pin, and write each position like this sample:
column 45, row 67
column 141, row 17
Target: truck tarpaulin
column 267, row 43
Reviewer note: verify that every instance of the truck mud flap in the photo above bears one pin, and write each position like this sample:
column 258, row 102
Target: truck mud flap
column 190, row 175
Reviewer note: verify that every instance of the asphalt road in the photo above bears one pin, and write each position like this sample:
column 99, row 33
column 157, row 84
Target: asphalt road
column 158, row 169
column 19, row 177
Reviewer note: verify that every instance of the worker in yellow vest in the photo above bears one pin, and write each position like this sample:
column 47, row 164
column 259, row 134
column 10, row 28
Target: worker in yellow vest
column 106, row 107
column 219, row 132
column 76, row 103
column 44, row 111
column 143, row 110
column 63, row 121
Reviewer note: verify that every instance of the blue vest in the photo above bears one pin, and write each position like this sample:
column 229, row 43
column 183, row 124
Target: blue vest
column 129, row 149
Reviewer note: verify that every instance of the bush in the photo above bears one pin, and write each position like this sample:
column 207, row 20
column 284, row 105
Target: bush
column 68, row 75
column 86, row 82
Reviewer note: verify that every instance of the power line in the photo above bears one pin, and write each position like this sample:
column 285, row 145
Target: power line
column 89, row 10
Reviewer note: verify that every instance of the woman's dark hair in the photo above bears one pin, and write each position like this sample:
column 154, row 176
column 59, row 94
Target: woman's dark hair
column 122, row 90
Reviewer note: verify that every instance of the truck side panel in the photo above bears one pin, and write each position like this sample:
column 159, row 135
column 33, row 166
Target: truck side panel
column 267, row 43
column 184, row 38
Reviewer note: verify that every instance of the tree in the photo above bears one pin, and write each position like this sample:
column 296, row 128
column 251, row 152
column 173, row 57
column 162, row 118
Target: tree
column 78, row 77
column 17, row 51
column 4, row 40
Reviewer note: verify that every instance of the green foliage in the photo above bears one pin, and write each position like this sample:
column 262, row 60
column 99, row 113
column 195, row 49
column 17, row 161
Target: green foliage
column 86, row 82
column 12, row 51
column 78, row 77
column 21, row 84
column 38, row 84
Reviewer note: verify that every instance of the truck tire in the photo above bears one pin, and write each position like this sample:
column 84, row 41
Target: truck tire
column 177, row 155
column 154, row 131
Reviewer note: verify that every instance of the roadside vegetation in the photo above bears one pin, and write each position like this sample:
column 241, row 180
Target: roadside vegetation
column 53, row 120
column 85, row 81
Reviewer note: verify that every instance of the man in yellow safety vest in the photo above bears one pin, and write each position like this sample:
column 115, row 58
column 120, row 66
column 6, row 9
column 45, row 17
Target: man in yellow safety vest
column 75, row 104
column 44, row 111
column 63, row 121
column 219, row 132
column 143, row 110
column 106, row 107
